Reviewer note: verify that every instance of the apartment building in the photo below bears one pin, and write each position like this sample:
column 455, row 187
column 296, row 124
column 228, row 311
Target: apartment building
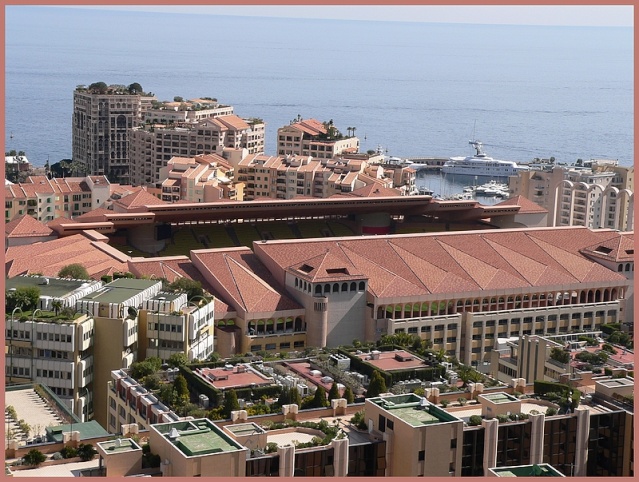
column 153, row 145
column 128, row 403
column 169, row 323
column 600, row 195
column 114, row 309
column 102, row 119
column 46, row 199
column 57, row 352
column 310, row 137
column 206, row 178
column 180, row 110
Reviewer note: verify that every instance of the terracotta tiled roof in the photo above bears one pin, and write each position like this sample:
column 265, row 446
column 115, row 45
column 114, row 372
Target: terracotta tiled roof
column 375, row 190
column 26, row 226
column 617, row 248
column 51, row 256
column 527, row 206
column 139, row 198
column 242, row 280
column 233, row 121
column 328, row 267
column 94, row 216
column 410, row 265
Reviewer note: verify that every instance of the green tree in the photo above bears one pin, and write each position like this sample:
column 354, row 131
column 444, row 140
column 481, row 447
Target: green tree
column 191, row 287
column 285, row 397
column 230, row 403
column 24, row 297
column 135, row 88
column 296, row 398
column 156, row 362
column 376, row 386
column 34, row 457
column 348, row 395
column 141, row 369
column 181, row 389
column 167, row 394
column 319, row 399
column 333, row 393
column 98, row 87
column 474, row 420
column 177, row 360
column 74, row 271
column 86, row 452
column 57, row 306
column 560, row 355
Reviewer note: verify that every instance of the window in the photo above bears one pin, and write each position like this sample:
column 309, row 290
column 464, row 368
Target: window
column 421, row 455
column 390, row 424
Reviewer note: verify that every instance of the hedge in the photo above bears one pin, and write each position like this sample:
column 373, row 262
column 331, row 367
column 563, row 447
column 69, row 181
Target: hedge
column 542, row 387
column 609, row 328
column 199, row 386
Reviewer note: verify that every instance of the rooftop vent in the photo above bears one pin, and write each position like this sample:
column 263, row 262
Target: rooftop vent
column 173, row 433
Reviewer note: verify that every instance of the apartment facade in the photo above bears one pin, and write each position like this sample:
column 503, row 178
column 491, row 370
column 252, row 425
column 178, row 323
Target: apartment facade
column 309, row 137
column 169, row 323
column 600, row 196
column 101, row 123
column 46, row 199
column 206, row 178
column 114, row 309
column 60, row 353
column 153, row 145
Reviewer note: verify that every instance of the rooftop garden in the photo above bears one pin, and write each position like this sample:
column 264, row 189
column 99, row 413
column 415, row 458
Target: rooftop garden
column 103, row 88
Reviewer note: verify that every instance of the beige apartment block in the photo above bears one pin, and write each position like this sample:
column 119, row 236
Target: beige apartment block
column 114, row 309
column 46, row 199
column 207, row 178
column 309, row 137
column 153, row 145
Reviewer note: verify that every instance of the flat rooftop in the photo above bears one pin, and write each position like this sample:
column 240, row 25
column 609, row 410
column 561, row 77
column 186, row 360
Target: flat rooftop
column 56, row 288
column 195, row 438
column 616, row 382
column 393, row 360
column 119, row 445
column 244, row 429
column 413, row 409
column 534, row 470
column 500, row 397
column 120, row 290
column 226, row 379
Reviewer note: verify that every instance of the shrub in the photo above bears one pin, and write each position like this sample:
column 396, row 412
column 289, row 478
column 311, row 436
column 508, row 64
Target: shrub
column 474, row 420
column 444, row 403
column 462, row 401
column 86, row 452
column 74, row 271
column 34, row 458
column 68, row 452
column 57, row 456
column 550, row 411
column 502, row 418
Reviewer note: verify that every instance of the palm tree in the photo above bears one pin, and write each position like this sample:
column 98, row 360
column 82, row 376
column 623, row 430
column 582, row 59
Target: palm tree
column 57, row 306
column 354, row 129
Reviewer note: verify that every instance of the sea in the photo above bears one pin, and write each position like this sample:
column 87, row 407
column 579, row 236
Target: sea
column 410, row 89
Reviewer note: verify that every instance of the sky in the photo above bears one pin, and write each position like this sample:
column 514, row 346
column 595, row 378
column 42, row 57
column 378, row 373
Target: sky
column 566, row 15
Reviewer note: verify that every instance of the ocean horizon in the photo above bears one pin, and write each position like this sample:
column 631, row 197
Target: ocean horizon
column 413, row 89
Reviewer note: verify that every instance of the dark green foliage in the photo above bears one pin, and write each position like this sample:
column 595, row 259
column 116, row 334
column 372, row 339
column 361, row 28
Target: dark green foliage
column 592, row 358
column 550, row 411
column 68, row 452
column 319, row 398
column 474, row 420
column 74, row 271
column 560, row 355
column 135, row 88
column 86, row 452
column 285, row 397
column 178, row 359
column 610, row 328
column 191, row 287
column 296, row 397
column 333, row 393
column 542, row 387
column 348, row 395
column 141, row 369
column 98, row 87
column 181, row 389
column 34, row 458
column 376, row 386
column 24, row 297
column 230, row 403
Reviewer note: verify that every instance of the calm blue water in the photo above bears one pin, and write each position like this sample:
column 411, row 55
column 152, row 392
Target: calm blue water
column 415, row 89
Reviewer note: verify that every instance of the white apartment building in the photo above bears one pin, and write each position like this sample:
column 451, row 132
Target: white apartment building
column 600, row 197
column 170, row 324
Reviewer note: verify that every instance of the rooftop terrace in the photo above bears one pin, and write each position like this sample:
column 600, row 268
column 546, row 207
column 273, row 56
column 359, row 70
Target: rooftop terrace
column 413, row 409
column 196, row 438
column 119, row 445
column 120, row 290
column 54, row 287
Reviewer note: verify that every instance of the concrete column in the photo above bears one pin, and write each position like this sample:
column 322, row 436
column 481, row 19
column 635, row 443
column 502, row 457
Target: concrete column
column 340, row 460
column 239, row 416
column 287, row 460
column 339, row 406
column 490, row 443
column 581, row 450
column 537, row 438
column 290, row 411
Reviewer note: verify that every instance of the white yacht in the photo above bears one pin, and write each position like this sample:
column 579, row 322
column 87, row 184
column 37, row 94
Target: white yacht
column 481, row 165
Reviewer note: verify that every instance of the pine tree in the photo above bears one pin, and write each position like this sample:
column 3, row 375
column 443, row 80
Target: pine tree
column 348, row 395
column 376, row 386
column 319, row 399
column 285, row 397
column 333, row 393
column 230, row 403
column 296, row 397
column 181, row 389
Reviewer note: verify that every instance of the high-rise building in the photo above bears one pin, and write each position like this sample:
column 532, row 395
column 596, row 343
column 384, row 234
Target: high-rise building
column 102, row 118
